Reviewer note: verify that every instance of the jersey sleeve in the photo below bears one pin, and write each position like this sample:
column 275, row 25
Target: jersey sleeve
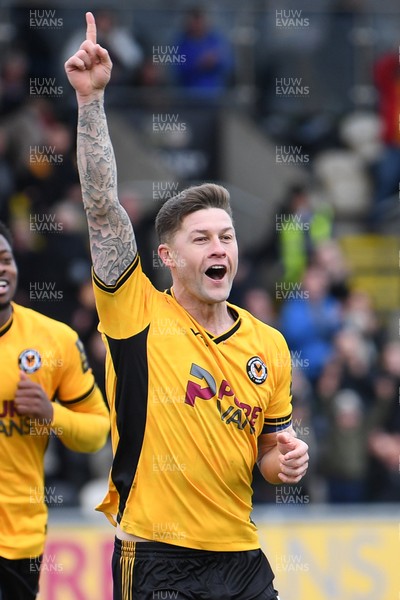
column 75, row 380
column 81, row 417
column 278, row 415
column 83, row 426
column 123, row 307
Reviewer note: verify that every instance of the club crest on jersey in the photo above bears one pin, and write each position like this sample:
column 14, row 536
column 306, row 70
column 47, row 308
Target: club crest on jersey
column 29, row 360
column 256, row 370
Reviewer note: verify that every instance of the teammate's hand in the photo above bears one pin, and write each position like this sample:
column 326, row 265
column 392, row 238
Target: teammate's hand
column 293, row 457
column 31, row 399
column 89, row 69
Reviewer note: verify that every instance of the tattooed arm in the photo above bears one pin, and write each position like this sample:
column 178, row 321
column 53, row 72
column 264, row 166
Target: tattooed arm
column 112, row 241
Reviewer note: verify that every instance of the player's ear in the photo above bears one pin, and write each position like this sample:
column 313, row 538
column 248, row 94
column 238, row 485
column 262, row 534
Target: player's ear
column 165, row 254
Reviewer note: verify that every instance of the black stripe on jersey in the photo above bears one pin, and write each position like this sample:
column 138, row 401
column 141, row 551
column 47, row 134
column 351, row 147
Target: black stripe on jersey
column 228, row 334
column 75, row 400
column 121, row 279
column 274, row 425
column 220, row 338
column 129, row 357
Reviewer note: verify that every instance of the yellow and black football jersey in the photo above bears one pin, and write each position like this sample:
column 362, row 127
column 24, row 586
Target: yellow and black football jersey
column 51, row 354
column 186, row 411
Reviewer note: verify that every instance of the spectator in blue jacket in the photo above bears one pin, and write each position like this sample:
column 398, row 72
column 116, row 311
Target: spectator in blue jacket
column 206, row 56
column 310, row 317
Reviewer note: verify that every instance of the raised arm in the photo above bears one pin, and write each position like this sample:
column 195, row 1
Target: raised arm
column 112, row 241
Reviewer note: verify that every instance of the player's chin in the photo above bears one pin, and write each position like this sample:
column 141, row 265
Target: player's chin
column 5, row 302
column 220, row 295
column 217, row 290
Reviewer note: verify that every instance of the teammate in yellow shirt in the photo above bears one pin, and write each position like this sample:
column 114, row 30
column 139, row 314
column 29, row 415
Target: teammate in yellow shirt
column 199, row 390
column 46, row 386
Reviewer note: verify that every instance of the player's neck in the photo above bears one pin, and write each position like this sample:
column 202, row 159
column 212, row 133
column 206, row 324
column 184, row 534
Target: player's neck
column 5, row 314
column 215, row 318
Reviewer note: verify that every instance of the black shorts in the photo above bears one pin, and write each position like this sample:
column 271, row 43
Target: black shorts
column 19, row 579
column 158, row 571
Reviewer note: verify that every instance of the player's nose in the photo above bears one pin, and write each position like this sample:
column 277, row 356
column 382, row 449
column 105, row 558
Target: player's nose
column 217, row 248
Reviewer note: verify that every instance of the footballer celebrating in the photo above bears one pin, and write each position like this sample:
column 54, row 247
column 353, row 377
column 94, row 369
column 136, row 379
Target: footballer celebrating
column 46, row 387
column 199, row 389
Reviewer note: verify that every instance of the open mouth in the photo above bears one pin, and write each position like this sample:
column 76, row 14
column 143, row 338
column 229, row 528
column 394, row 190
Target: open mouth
column 216, row 272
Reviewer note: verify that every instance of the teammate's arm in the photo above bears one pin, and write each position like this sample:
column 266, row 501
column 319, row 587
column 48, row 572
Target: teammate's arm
column 112, row 240
column 82, row 424
column 282, row 457
column 81, row 418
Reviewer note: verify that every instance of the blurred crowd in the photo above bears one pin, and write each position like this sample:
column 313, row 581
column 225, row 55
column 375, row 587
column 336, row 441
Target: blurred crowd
column 345, row 354
column 345, row 361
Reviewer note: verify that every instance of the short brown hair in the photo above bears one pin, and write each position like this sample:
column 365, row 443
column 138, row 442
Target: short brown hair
column 198, row 197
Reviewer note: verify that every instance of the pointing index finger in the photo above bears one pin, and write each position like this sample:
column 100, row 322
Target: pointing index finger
column 91, row 32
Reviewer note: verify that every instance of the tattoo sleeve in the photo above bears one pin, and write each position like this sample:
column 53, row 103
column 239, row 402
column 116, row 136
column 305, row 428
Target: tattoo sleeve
column 112, row 240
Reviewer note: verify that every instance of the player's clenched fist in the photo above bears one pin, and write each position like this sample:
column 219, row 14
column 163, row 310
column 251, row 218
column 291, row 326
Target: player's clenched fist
column 31, row 399
column 89, row 69
column 293, row 457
